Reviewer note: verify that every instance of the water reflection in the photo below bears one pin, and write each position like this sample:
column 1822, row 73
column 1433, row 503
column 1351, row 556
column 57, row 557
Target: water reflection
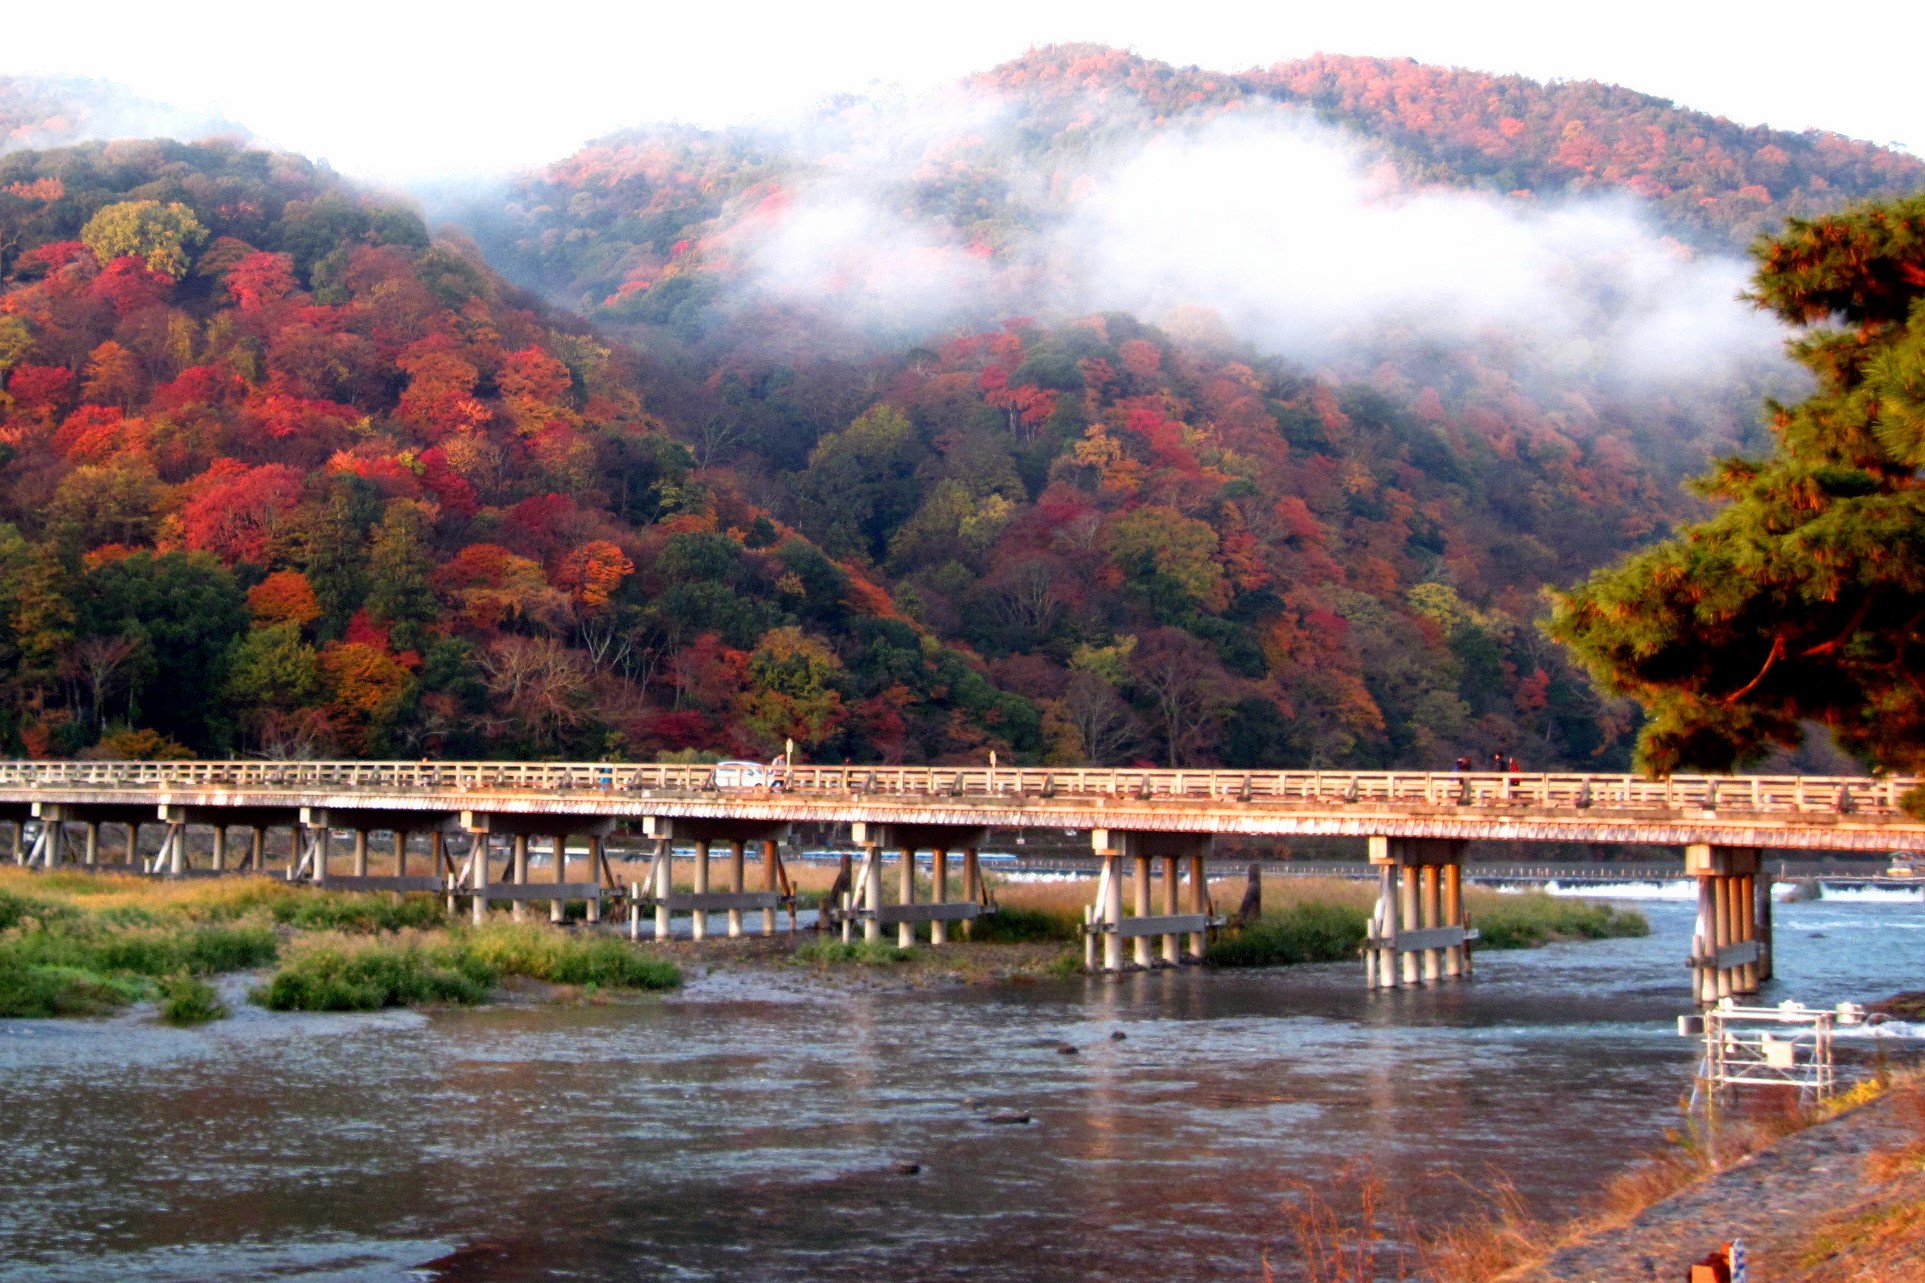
column 749, row 1127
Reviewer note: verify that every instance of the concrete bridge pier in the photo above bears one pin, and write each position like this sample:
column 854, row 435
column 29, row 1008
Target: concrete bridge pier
column 735, row 902
column 906, row 914
column 519, row 827
column 1727, row 958
column 1417, row 933
column 1106, row 917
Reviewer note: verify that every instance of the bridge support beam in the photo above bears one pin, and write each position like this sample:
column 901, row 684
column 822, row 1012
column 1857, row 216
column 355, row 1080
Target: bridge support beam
column 735, row 902
column 518, row 826
column 1727, row 959
column 1152, row 935
column 1418, row 934
column 906, row 914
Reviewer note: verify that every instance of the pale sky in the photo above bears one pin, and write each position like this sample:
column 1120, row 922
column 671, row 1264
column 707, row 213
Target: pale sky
column 400, row 91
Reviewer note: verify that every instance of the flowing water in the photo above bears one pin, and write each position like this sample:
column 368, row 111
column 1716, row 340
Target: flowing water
column 748, row 1126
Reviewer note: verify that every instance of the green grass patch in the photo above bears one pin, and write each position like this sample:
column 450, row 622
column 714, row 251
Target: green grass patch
column 542, row 953
column 366, row 975
column 1536, row 918
column 347, row 973
column 871, row 953
column 49, row 989
column 186, row 1000
column 1305, row 932
column 1022, row 924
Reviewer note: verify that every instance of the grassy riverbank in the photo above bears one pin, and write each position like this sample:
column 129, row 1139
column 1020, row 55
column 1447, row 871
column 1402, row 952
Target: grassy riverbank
column 84, row 944
column 1317, row 919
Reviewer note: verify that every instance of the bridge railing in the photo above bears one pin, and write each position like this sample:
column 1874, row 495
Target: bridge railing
column 1761, row 794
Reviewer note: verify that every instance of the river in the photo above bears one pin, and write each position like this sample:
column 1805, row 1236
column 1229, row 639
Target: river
column 749, row 1125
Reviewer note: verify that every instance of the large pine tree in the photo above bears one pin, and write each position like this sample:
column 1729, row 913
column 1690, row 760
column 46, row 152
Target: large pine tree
column 1803, row 598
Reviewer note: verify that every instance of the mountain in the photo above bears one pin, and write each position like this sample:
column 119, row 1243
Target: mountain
column 280, row 473
column 1091, row 411
column 1009, row 150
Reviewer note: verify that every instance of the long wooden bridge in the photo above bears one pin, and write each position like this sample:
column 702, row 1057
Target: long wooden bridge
column 1417, row 825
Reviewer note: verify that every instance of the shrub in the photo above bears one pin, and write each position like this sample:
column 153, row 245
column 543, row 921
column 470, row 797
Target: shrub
column 542, row 953
column 185, row 1000
column 343, row 975
column 29, row 990
column 1021, row 924
column 1537, row 918
column 1305, row 932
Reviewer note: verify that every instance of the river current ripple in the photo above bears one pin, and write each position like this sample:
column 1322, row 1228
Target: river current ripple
column 749, row 1126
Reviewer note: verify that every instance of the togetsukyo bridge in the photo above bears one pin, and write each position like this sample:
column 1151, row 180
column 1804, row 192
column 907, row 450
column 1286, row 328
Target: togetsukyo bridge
column 1417, row 826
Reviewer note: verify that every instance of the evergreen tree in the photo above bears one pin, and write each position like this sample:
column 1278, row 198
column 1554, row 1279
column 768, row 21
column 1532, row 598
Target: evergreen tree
column 1803, row 598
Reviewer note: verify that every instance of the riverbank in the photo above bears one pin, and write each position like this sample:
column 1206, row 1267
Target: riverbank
column 76, row 944
column 1839, row 1201
column 79, row 944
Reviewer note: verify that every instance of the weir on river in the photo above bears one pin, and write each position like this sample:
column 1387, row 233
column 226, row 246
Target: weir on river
column 1417, row 824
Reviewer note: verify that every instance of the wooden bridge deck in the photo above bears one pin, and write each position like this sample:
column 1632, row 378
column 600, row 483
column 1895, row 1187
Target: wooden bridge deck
column 1818, row 813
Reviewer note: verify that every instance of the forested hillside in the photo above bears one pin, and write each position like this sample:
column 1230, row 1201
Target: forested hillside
column 283, row 475
column 862, row 444
column 635, row 225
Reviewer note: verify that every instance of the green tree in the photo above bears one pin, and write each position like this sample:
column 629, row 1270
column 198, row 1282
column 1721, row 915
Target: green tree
column 1171, row 559
column 794, row 693
column 188, row 610
column 861, row 484
column 163, row 235
column 1803, row 598
column 399, row 565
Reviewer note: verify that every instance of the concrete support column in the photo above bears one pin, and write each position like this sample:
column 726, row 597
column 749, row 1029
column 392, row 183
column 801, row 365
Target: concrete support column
column 771, row 881
column 257, row 849
column 664, row 883
column 400, row 854
column 1748, row 927
column 906, row 895
column 1455, row 958
column 939, row 879
column 1140, row 871
column 19, row 838
column 1112, row 914
column 1703, row 946
column 738, row 883
column 1433, row 912
column 56, row 839
column 699, row 927
column 846, row 878
column 872, row 891
column 595, row 875
column 560, row 842
column 1380, row 963
column 219, row 857
column 360, row 853
column 132, row 854
column 518, row 874
column 1762, row 908
column 1172, row 942
column 1199, row 903
column 1407, row 920
column 92, row 853
column 478, row 873
column 972, row 886
column 177, row 846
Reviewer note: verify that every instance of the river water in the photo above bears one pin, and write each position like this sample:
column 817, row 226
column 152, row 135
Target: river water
column 748, row 1126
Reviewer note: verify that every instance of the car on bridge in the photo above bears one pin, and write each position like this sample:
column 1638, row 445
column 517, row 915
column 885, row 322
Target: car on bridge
column 750, row 775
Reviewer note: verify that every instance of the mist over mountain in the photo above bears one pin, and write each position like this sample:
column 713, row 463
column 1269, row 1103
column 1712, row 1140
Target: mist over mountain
column 51, row 111
column 1092, row 410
